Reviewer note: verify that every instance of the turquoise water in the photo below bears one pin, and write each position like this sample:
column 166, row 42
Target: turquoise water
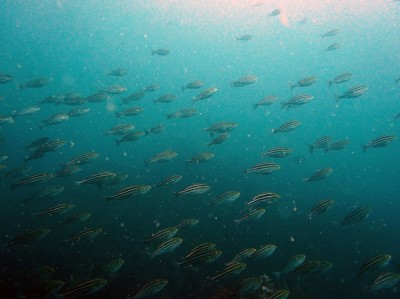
column 75, row 45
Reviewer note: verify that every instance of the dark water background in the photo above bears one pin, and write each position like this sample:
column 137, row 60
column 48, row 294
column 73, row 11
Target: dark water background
column 75, row 44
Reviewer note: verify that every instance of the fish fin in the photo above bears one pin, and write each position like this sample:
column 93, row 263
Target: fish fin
column 13, row 186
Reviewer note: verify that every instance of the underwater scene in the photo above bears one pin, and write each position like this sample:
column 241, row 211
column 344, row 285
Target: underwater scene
column 200, row 149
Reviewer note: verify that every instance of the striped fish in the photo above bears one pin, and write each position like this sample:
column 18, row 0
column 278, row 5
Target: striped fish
column 43, row 289
column 28, row 237
column 45, row 193
column 173, row 179
column 77, row 218
column 78, row 112
column 245, row 80
column 98, row 97
column 221, row 127
column 331, row 33
column 278, row 152
column 155, row 130
column 160, row 52
column 286, row 127
column 296, row 101
column 202, row 247
column 374, row 263
column 4, row 78
column 263, row 252
column 201, row 158
column 34, row 179
column 321, row 207
column 162, row 157
column 247, row 286
column 294, row 262
column 150, row 289
column 130, row 136
column 381, row 141
column 193, row 85
column 108, row 269
column 353, row 92
column 231, row 270
column 164, row 234
column 340, row 79
column 114, row 89
column 131, row 191
column 120, row 129
column 333, row 47
column 319, row 175
column 253, row 214
column 226, row 198
column 385, row 281
column 166, row 98
column 167, row 246
column 322, row 142
column 85, row 288
column 83, row 158
column 264, row 198
column 183, row 113
column 244, row 37
column 132, row 111
column 67, row 170
column 90, row 233
column 263, row 168
column 269, row 100
column 98, row 179
column 118, row 72
column 133, row 97
column 51, row 145
column 307, row 81
column 304, row 269
column 356, row 216
column 187, row 223
column 325, row 267
column 151, row 88
column 203, row 256
column 337, row 145
column 280, row 294
column 244, row 254
column 55, row 210
column 205, row 94
column 193, row 190
column 219, row 139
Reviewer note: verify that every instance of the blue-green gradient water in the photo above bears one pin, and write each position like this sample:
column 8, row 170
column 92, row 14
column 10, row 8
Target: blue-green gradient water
column 75, row 44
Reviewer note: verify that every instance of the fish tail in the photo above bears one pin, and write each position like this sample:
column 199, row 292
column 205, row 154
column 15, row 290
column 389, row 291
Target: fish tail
column 283, row 105
column 146, row 132
column 13, row 186
column 153, row 52
column 329, row 83
column 273, row 131
column 21, row 87
column 183, row 88
column 306, row 180
column 117, row 142
column 117, row 114
column 310, row 148
column 292, row 86
column 170, row 116
column 255, row 106
column 364, row 148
